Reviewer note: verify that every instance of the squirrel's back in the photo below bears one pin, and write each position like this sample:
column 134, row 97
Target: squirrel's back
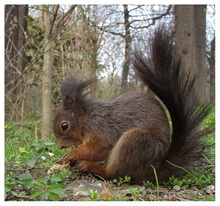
column 110, row 119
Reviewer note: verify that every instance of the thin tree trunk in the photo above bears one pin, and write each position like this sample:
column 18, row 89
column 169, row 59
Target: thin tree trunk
column 49, row 42
column 47, row 89
column 94, row 67
column 128, row 39
column 212, row 72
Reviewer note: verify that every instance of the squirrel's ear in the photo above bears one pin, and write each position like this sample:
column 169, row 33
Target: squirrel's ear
column 68, row 101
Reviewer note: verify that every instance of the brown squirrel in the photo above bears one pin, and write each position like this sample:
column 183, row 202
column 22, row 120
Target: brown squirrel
column 131, row 133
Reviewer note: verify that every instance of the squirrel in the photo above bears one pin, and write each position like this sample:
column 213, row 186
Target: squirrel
column 131, row 134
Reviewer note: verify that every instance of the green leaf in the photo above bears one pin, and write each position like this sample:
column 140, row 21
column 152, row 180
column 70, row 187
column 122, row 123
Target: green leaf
column 37, row 194
column 7, row 189
column 26, row 176
column 59, row 191
column 21, row 194
column 26, row 180
column 55, row 179
column 55, row 186
column 41, row 182
column 45, row 196
column 53, row 197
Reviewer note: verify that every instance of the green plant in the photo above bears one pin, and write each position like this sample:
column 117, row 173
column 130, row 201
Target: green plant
column 48, row 188
column 120, row 181
column 200, row 178
column 135, row 191
column 149, row 185
column 11, row 182
column 23, row 152
column 44, row 188
column 23, row 149
column 93, row 194
column 208, row 198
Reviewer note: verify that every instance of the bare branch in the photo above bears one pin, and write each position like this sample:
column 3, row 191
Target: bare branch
column 139, row 6
column 55, row 10
column 66, row 14
column 152, row 19
column 112, row 32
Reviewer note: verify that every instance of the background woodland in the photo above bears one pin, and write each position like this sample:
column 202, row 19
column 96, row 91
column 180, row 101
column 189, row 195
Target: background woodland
column 46, row 43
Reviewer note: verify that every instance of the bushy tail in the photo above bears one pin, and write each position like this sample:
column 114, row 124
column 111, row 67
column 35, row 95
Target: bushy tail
column 162, row 72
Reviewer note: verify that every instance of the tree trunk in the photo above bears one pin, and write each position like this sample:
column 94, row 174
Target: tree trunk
column 47, row 89
column 190, row 41
column 200, row 46
column 212, row 72
column 15, row 59
column 127, row 50
column 185, row 36
column 49, row 42
column 94, row 46
column 94, row 68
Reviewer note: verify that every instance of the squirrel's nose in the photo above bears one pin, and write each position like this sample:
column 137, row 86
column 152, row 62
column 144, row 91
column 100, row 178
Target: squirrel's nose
column 60, row 146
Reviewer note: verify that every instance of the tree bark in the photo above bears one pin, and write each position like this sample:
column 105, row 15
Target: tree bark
column 212, row 72
column 94, row 67
column 190, row 41
column 15, row 59
column 47, row 89
column 49, row 42
column 200, row 47
column 185, row 36
column 127, row 50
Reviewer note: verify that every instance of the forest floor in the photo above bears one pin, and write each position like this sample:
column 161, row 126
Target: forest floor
column 33, row 183
column 27, row 161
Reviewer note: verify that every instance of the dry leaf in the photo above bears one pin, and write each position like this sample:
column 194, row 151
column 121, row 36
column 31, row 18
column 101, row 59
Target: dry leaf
column 106, row 193
column 58, row 167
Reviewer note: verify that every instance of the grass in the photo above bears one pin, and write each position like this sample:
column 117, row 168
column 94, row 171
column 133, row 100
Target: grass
column 27, row 160
column 23, row 152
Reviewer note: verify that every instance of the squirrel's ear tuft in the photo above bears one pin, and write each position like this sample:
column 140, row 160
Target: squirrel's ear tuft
column 73, row 91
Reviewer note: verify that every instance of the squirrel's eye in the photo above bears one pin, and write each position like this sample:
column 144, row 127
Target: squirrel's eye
column 64, row 126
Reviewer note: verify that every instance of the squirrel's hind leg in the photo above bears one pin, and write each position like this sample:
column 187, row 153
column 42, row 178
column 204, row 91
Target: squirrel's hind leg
column 134, row 153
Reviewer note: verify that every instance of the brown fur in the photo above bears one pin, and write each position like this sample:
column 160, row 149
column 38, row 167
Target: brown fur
column 131, row 133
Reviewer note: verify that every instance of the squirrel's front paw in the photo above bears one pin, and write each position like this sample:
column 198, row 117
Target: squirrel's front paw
column 69, row 157
column 84, row 166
